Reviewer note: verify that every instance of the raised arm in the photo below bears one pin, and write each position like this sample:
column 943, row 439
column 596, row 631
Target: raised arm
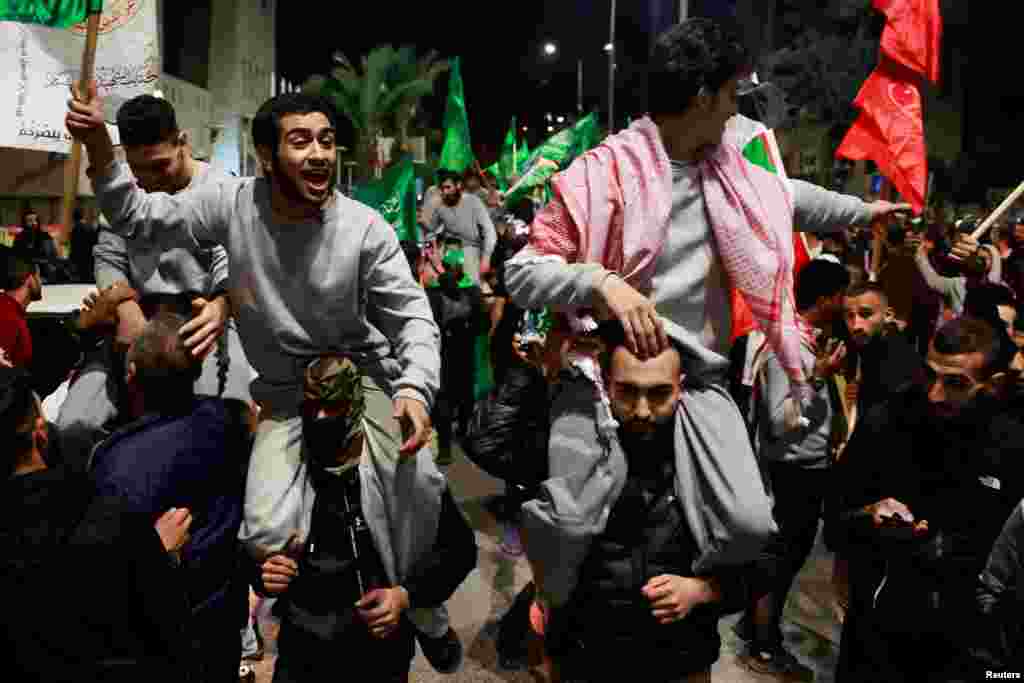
column 816, row 209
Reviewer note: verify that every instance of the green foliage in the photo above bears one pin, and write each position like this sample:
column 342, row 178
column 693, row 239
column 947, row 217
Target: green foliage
column 380, row 94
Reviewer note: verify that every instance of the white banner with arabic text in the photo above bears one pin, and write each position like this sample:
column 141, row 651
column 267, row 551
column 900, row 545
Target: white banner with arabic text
column 38, row 64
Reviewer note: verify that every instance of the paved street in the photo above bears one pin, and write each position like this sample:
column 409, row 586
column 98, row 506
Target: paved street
column 475, row 608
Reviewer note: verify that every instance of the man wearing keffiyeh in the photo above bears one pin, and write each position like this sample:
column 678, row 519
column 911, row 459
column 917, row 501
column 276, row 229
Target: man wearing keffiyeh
column 653, row 228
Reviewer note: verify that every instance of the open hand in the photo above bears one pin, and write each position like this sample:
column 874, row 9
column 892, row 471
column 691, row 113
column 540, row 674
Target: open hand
column 645, row 333
column 882, row 209
column 208, row 323
column 382, row 609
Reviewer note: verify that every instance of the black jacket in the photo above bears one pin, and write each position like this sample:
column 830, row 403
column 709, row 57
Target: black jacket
column 195, row 459
column 646, row 536
column 89, row 593
column 964, row 478
column 889, row 365
column 319, row 601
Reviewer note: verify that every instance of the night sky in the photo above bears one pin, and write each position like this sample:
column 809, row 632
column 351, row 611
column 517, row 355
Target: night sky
column 500, row 46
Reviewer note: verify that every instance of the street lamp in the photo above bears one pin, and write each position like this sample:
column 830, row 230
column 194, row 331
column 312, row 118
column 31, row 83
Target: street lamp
column 608, row 47
column 561, row 119
column 550, row 49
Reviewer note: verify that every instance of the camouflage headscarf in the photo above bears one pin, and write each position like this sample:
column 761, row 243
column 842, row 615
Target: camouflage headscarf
column 337, row 382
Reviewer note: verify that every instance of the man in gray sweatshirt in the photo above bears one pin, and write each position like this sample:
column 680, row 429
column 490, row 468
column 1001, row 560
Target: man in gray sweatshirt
column 796, row 459
column 311, row 272
column 463, row 216
column 189, row 281
column 695, row 70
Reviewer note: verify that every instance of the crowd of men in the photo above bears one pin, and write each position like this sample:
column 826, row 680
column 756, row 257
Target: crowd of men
column 263, row 365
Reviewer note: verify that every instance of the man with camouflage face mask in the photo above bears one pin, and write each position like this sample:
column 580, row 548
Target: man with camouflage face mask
column 370, row 567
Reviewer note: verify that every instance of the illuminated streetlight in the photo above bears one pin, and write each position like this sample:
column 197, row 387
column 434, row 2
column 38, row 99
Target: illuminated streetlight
column 551, row 129
column 561, row 119
column 550, row 49
column 547, row 116
column 608, row 47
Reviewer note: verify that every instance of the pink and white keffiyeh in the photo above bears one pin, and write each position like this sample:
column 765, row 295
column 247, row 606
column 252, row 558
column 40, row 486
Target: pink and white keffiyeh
column 612, row 205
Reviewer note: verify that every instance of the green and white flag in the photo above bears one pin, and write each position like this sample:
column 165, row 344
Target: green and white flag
column 41, row 45
column 457, row 153
column 554, row 155
column 394, row 196
column 52, row 13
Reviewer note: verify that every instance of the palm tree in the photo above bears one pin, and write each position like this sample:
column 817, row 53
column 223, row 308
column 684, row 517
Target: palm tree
column 372, row 96
column 408, row 68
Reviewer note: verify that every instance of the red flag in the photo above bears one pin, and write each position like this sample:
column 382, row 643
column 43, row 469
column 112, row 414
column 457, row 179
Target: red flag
column 912, row 35
column 890, row 131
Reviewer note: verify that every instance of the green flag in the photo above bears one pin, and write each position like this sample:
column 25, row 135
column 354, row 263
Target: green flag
column 394, row 196
column 53, row 13
column 512, row 160
column 507, row 160
column 555, row 154
column 457, row 153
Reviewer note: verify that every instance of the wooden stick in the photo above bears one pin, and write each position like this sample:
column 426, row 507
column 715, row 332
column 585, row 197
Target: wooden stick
column 73, row 169
column 994, row 216
column 876, row 244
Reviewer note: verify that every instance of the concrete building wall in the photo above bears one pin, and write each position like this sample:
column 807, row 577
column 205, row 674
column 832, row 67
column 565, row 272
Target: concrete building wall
column 242, row 72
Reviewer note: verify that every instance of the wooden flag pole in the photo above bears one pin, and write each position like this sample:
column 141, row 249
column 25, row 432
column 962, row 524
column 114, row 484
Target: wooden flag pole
column 994, row 216
column 73, row 168
column 876, row 243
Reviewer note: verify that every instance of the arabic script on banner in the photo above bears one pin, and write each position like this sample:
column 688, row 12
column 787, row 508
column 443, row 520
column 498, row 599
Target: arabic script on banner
column 38, row 65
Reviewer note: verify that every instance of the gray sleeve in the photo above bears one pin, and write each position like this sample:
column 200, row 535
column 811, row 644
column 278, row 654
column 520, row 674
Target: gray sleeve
column 488, row 236
column 775, row 391
column 1000, row 577
column 536, row 281
column 111, row 258
column 947, row 286
column 219, row 269
column 399, row 308
column 185, row 220
column 816, row 209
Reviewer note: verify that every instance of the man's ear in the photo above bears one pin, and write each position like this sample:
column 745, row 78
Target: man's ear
column 890, row 315
column 266, row 156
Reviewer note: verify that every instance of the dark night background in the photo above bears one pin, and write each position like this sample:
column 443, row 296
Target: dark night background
column 505, row 74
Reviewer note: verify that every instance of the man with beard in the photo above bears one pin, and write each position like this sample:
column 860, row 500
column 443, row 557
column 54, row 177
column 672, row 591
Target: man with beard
column 311, row 272
column 465, row 217
column 22, row 285
column 932, row 476
column 885, row 360
column 652, row 228
column 190, row 281
column 637, row 606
